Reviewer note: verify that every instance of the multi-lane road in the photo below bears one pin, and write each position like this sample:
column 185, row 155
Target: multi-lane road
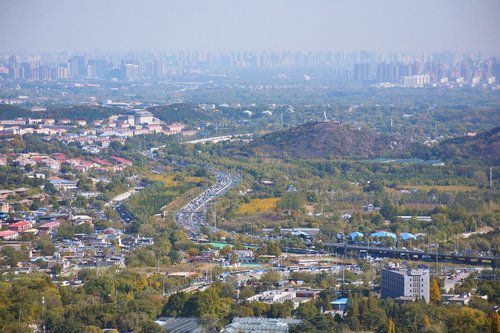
column 193, row 215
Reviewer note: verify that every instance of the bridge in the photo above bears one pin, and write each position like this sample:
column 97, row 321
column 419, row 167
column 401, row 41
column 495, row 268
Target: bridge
column 377, row 251
column 216, row 139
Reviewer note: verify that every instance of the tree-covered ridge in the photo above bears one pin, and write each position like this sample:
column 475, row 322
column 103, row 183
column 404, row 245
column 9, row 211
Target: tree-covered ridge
column 484, row 147
column 185, row 113
column 79, row 112
column 329, row 139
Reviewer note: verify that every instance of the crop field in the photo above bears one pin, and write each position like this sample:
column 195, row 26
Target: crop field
column 259, row 206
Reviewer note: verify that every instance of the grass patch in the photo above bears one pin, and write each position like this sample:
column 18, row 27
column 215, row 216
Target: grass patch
column 166, row 180
column 169, row 180
column 258, row 206
column 444, row 188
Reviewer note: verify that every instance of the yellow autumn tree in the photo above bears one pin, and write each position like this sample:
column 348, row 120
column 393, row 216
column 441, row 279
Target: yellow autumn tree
column 391, row 328
column 427, row 321
column 495, row 322
column 435, row 292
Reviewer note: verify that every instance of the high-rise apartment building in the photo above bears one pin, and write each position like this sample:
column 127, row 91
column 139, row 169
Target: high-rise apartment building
column 130, row 72
column 362, row 72
column 14, row 68
column 77, row 66
column 405, row 283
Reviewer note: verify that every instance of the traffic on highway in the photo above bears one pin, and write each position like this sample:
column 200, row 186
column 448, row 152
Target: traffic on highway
column 193, row 215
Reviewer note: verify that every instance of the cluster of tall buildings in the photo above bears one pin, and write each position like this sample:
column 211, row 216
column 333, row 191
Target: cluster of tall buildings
column 418, row 74
column 76, row 67
column 358, row 66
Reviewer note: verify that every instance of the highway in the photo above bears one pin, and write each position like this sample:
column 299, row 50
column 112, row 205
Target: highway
column 193, row 215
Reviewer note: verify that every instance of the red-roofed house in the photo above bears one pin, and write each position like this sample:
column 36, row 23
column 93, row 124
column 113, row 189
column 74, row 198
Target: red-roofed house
column 49, row 226
column 20, row 226
column 121, row 160
column 58, row 157
column 8, row 234
column 175, row 127
column 101, row 162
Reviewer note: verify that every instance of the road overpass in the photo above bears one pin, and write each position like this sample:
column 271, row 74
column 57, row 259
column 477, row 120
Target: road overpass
column 378, row 251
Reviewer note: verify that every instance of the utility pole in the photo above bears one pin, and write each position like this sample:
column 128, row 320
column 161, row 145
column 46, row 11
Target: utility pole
column 215, row 216
column 491, row 178
column 43, row 314
column 437, row 260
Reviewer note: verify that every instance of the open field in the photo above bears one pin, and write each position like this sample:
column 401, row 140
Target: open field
column 258, row 206
column 166, row 180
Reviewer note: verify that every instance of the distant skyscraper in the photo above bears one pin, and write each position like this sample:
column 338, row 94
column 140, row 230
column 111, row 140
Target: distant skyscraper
column 77, row 66
column 130, row 72
column 362, row 72
column 495, row 68
column 14, row 68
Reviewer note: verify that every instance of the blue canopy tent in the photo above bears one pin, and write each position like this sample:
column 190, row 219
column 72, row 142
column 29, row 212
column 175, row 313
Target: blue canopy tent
column 407, row 236
column 384, row 234
column 354, row 235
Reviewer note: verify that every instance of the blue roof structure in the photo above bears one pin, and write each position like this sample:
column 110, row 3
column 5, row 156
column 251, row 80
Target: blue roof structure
column 354, row 235
column 340, row 301
column 384, row 234
column 407, row 236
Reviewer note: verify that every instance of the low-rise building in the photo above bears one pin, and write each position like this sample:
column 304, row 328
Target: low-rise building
column 273, row 296
column 405, row 283
column 48, row 227
column 260, row 325
column 63, row 184
column 8, row 234
column 21, row 226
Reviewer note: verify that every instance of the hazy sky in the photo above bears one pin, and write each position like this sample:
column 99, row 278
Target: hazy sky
column 375, row 25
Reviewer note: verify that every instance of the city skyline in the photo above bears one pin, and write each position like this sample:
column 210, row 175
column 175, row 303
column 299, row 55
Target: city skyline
column 383, row 26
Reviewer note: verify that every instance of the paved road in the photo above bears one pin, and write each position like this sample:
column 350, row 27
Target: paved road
column 450, row 283
column 124, row 214
column 193, row 216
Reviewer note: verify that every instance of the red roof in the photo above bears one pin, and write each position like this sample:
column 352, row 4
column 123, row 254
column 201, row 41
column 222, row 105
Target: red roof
column 20, row 224
column 49, row 225
column 101, row 162
column 7, row 233
column 121, row 160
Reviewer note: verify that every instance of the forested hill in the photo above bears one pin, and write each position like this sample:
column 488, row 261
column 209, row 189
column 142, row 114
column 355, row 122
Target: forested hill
column 327, row 140
column 484, row 147
column 185, row 113
column 79, row 112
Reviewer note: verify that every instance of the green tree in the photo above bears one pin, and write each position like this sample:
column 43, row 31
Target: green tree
column 292, row 201
column 307, row 311
column 281, row 310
